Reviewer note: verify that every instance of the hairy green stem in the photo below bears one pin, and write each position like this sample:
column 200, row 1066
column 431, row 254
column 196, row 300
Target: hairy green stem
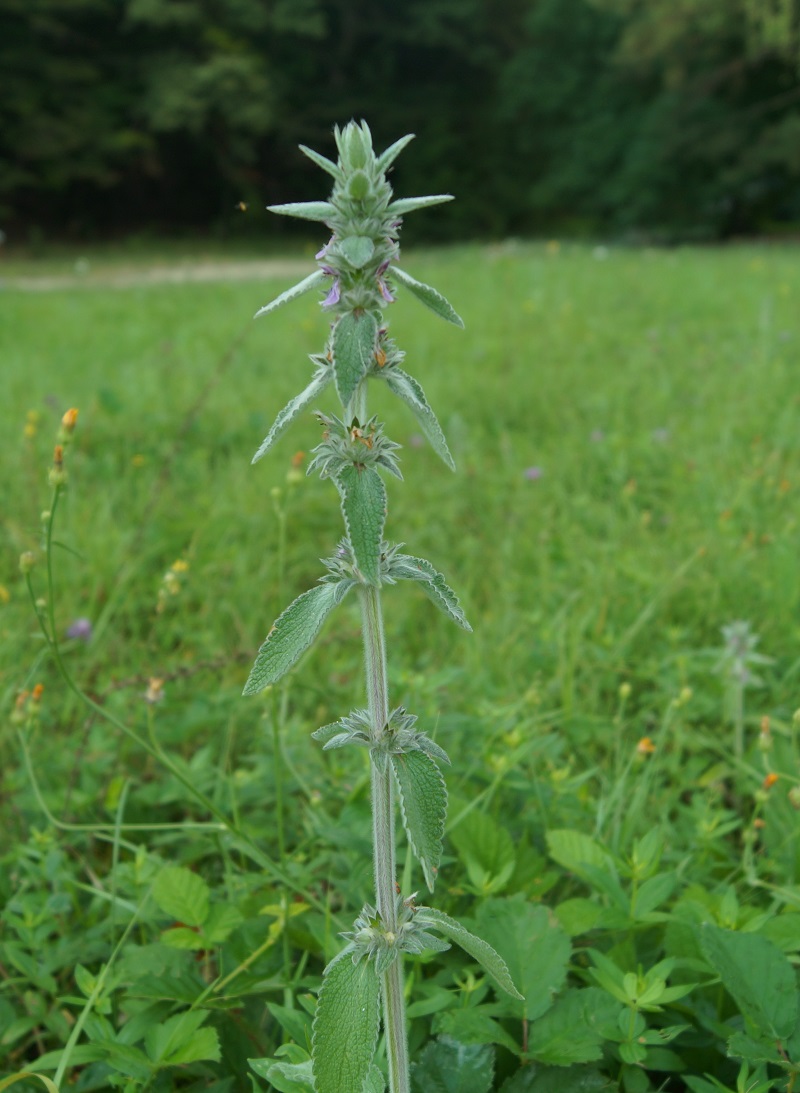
column 383, row 840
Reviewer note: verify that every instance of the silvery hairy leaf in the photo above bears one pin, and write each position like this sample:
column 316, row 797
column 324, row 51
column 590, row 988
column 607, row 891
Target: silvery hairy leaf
column 319, row 382
column 407, row 568
column 478, row 949
column 387, row 158
column 354, row 338
column 409, row 204
column 429, row 296
column 306, row 210
column 423, row 803
column 409, row 390
column 364, row 508
column 322, row 161
column 346, row 1025
column 312, row 281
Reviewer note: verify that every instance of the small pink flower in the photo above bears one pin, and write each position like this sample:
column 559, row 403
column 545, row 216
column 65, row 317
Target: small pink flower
column 80, row 629
column 533, row 474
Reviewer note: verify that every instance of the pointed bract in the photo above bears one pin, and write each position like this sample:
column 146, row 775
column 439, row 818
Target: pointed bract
column 429, row 296
column 322, row 161
column 410, row 204
column 409, row 390
column 305, row 210
column 290, row 411
column 312, row 281
column 387, row 158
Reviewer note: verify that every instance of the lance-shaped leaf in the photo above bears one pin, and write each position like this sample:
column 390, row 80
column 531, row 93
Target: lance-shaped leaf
column 290, row 411
column 293, row 632
column 364, row 508
column 429, row 296
column 407, row 389
column 345, row 1025
column 354, row 338
column 305, row 210
column 478, row 949
column 387, row 158
column 323, row 162
column 423, row 803
column 313, row 279
column 405, row 567
column 357, row 249
column 409, row 204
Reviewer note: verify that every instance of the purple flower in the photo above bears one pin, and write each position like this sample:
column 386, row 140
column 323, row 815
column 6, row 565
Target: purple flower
column 80, row 629
column 324, row 251
column 533, row 474
column 333, row 296
column 385, row 291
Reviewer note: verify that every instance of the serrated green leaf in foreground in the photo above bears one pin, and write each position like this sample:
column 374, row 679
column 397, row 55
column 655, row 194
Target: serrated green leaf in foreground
column 293, row 632
column 407, row 568
column 319, row 382
column 428, row 295
column 364, row 509
column 423, row 803
column 410, row 391
column 446, row 1066
column 312, row 281
column 478, row 949
column 354, row 339
column 346, row 1025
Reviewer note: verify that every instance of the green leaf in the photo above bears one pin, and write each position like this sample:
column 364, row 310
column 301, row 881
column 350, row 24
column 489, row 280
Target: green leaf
column 407, row 389
column 387, row 158
column 436, row 588
column 180, row 1040
column 375, row 1082
column 487, row 850
column 428, row 295
column 293, row 632
column 423, row 803
column 290, row 411
column 574, row 850
column 364, row 509
column 222, row 920
column 475, row 1026
column 357, row 249
column 477, row 948
column 568, row 1032
column 305, row 210
column 757, row 976
column 181, row 894
column 446, row 1066
column 655, row 891
column 323, row 162
column 410, row 204
column 354, row 339
column 557, row 1079
column 533, row 945
column 346, row 1025
column 313, row 279
column 286, row 1077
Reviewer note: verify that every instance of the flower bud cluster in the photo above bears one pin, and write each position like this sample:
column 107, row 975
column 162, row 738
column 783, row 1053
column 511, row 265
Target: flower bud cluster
column 369, row 936
column 364, row 241
column 397, row 737
column 352, row 445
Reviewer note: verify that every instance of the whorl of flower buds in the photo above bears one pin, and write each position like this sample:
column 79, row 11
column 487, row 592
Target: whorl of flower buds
column 352, row 445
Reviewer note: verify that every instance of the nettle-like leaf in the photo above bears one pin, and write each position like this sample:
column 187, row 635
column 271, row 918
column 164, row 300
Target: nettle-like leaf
column 407, row 568
column 387, row 158
column 354, row 339
column 319, row 382
column 322, row 161
column 429, row 296
column 409, row 390
column 757, row 975
column 182, row 894
column 346, row 1025
column 305, row 210
column 179, row 1040
column 478, row 949
column 423, row 803
column 293, row 632
column 364, row 509
column 312, row 281
column 446, row 1066
column 357, row 249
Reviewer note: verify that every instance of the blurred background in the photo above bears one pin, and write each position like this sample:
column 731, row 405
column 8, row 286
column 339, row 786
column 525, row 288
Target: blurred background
column 657, row 120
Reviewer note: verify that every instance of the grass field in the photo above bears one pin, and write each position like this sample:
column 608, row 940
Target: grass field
column 625, row 426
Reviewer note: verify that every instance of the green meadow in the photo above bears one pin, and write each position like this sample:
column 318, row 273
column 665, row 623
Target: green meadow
column 626, row 428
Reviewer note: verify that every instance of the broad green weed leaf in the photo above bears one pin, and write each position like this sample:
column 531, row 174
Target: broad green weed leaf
column 423, row 803
column 408, row 568
column 180, row 1040
column 293, row 632
column 552, row 1079
column 474, row 1026
column 305, row 210
column 354, row 338
column 568, row 1032
column 357, row 249
column 407, row 389
column 221, row 922
column 312, row 281
column 346, row 1025
column 533, row 945
column 181, row 894
column 28, row 1075
column 573, row 850
column 486, row 849
column 409, row 204
column 477, row 948
column 653, row 893
column 428, row 296
column 290, row 411
column 364, row 509
column 294, row 1021
column 757, row 975
column 446, row 1066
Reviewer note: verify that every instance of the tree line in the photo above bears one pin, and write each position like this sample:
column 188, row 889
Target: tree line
column 674, row 118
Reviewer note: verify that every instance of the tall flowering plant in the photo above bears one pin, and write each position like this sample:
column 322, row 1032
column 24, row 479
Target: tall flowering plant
column 359, row 272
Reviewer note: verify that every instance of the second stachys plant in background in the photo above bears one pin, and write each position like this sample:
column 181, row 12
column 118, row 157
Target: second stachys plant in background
column 359, row 272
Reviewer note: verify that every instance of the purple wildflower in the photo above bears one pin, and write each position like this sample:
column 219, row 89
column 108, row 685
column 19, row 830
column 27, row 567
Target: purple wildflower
column 333, row 296
column 385, row 291
column 321, row 253
column 533, row 474
column 80, row 629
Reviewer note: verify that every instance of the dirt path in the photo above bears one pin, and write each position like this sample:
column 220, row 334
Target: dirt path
column 195, row 272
